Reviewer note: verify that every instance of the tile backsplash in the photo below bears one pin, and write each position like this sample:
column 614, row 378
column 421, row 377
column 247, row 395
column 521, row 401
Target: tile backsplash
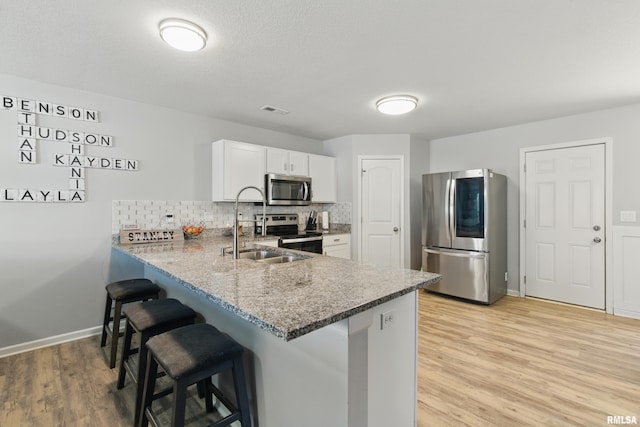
column 214, row 215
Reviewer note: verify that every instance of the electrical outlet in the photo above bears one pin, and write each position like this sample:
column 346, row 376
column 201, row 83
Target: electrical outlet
column 387, row 319
column 169, row 218
column 627, row 216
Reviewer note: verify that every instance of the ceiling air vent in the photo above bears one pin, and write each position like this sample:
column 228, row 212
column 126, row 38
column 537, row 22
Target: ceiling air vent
column 272, row 109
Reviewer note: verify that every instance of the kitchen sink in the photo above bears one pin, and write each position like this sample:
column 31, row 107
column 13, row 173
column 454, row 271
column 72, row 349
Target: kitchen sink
column 269, row 256
column 258, row 254
column 284, row 258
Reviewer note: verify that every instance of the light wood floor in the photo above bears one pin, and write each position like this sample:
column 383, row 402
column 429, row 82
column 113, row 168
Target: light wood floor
column 524, row 362
column 520, row 362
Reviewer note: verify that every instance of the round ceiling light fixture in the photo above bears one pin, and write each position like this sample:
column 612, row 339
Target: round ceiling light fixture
column 182, row 35
column 397, row 104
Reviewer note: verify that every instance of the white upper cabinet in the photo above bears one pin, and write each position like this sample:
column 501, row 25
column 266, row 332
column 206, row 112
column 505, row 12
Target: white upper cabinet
column 298, row 163
column 287, row 162
column 236, row 165
column 322, row 170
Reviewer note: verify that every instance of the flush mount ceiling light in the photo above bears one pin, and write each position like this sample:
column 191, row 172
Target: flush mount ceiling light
column 397, row 104
column 183, row 35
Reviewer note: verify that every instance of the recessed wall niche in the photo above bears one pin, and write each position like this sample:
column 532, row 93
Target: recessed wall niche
column 74, row 156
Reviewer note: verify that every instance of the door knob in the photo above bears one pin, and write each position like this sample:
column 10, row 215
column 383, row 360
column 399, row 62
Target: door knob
column 395, row 229
column 597, row 239
column 596, row 227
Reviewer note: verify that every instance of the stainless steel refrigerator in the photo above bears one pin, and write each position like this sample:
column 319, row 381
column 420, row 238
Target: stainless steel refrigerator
column 464, row 233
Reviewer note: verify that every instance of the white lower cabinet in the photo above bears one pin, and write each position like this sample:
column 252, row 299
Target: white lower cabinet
column 337, row 245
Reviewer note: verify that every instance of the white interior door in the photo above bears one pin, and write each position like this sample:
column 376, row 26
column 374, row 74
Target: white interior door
column 381, row 210
column 565, row 225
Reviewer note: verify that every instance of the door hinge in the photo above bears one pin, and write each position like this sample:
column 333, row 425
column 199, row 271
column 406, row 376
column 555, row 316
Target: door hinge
column 525, row 168
column 524, row 223
column 525, row 279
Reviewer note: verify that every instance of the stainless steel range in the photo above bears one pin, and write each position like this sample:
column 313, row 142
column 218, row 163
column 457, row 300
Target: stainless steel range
column 285, row 226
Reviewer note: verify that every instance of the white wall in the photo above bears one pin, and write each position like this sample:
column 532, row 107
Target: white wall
column 55, row 259
column 418, row 165
column 499, row 149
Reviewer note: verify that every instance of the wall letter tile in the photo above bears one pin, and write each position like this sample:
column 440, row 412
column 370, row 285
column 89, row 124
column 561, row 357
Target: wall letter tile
column 76, row 113
column 91, row 116
column 26, row 118
column 26, row 105
column 61, row 160
column 60, row 110
column 26, row 144
column 9, row 103
column 106, row 140
column 76, row 196
column 26, row 131
column 76, row 173
column 27, row 195
column 45, row 196
column 10, row 194
column 25, row 156
column 90, row 139
column 76, row 137
column 60, row 135
column 76, row 184
column 61, row 196
column 77, row 149
column 44, row 108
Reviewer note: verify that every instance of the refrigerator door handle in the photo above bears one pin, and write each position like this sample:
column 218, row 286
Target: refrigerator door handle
column 450, row 208
column 460, row 254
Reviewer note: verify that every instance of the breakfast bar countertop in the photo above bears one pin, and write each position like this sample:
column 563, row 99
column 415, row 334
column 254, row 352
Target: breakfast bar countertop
column 288, row 299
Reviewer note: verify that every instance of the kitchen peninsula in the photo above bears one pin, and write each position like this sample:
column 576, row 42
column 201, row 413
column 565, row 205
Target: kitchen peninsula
column 331, row 342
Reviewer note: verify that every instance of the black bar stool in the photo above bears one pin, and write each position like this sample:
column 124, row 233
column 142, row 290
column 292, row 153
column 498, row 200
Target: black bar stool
column 191, row 355
column 122, row 292
column 148, row 318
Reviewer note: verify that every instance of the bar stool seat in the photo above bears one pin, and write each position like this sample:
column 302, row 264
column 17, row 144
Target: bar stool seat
column 191, row 355
column 148, row 318
column 123, row 292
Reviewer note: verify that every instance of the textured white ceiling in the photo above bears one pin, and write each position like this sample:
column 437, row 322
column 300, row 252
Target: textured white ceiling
column 474, row 64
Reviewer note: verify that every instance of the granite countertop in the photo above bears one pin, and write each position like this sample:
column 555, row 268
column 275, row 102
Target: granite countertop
column 288, row 300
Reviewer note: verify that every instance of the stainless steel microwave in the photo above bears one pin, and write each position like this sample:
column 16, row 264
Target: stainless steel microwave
column 287, row 190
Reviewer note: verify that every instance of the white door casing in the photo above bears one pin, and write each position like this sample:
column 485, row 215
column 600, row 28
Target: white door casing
column 381, row 208
column 565, row 232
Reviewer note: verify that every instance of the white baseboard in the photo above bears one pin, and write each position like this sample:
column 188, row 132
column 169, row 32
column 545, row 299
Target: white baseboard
column 513, row 293
column 626, row 313
column 46, row 342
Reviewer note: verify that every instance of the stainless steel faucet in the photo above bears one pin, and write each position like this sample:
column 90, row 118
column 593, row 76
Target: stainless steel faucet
column 235, row 220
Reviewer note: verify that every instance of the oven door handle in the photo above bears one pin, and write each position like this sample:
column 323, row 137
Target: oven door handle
column 301, row 240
